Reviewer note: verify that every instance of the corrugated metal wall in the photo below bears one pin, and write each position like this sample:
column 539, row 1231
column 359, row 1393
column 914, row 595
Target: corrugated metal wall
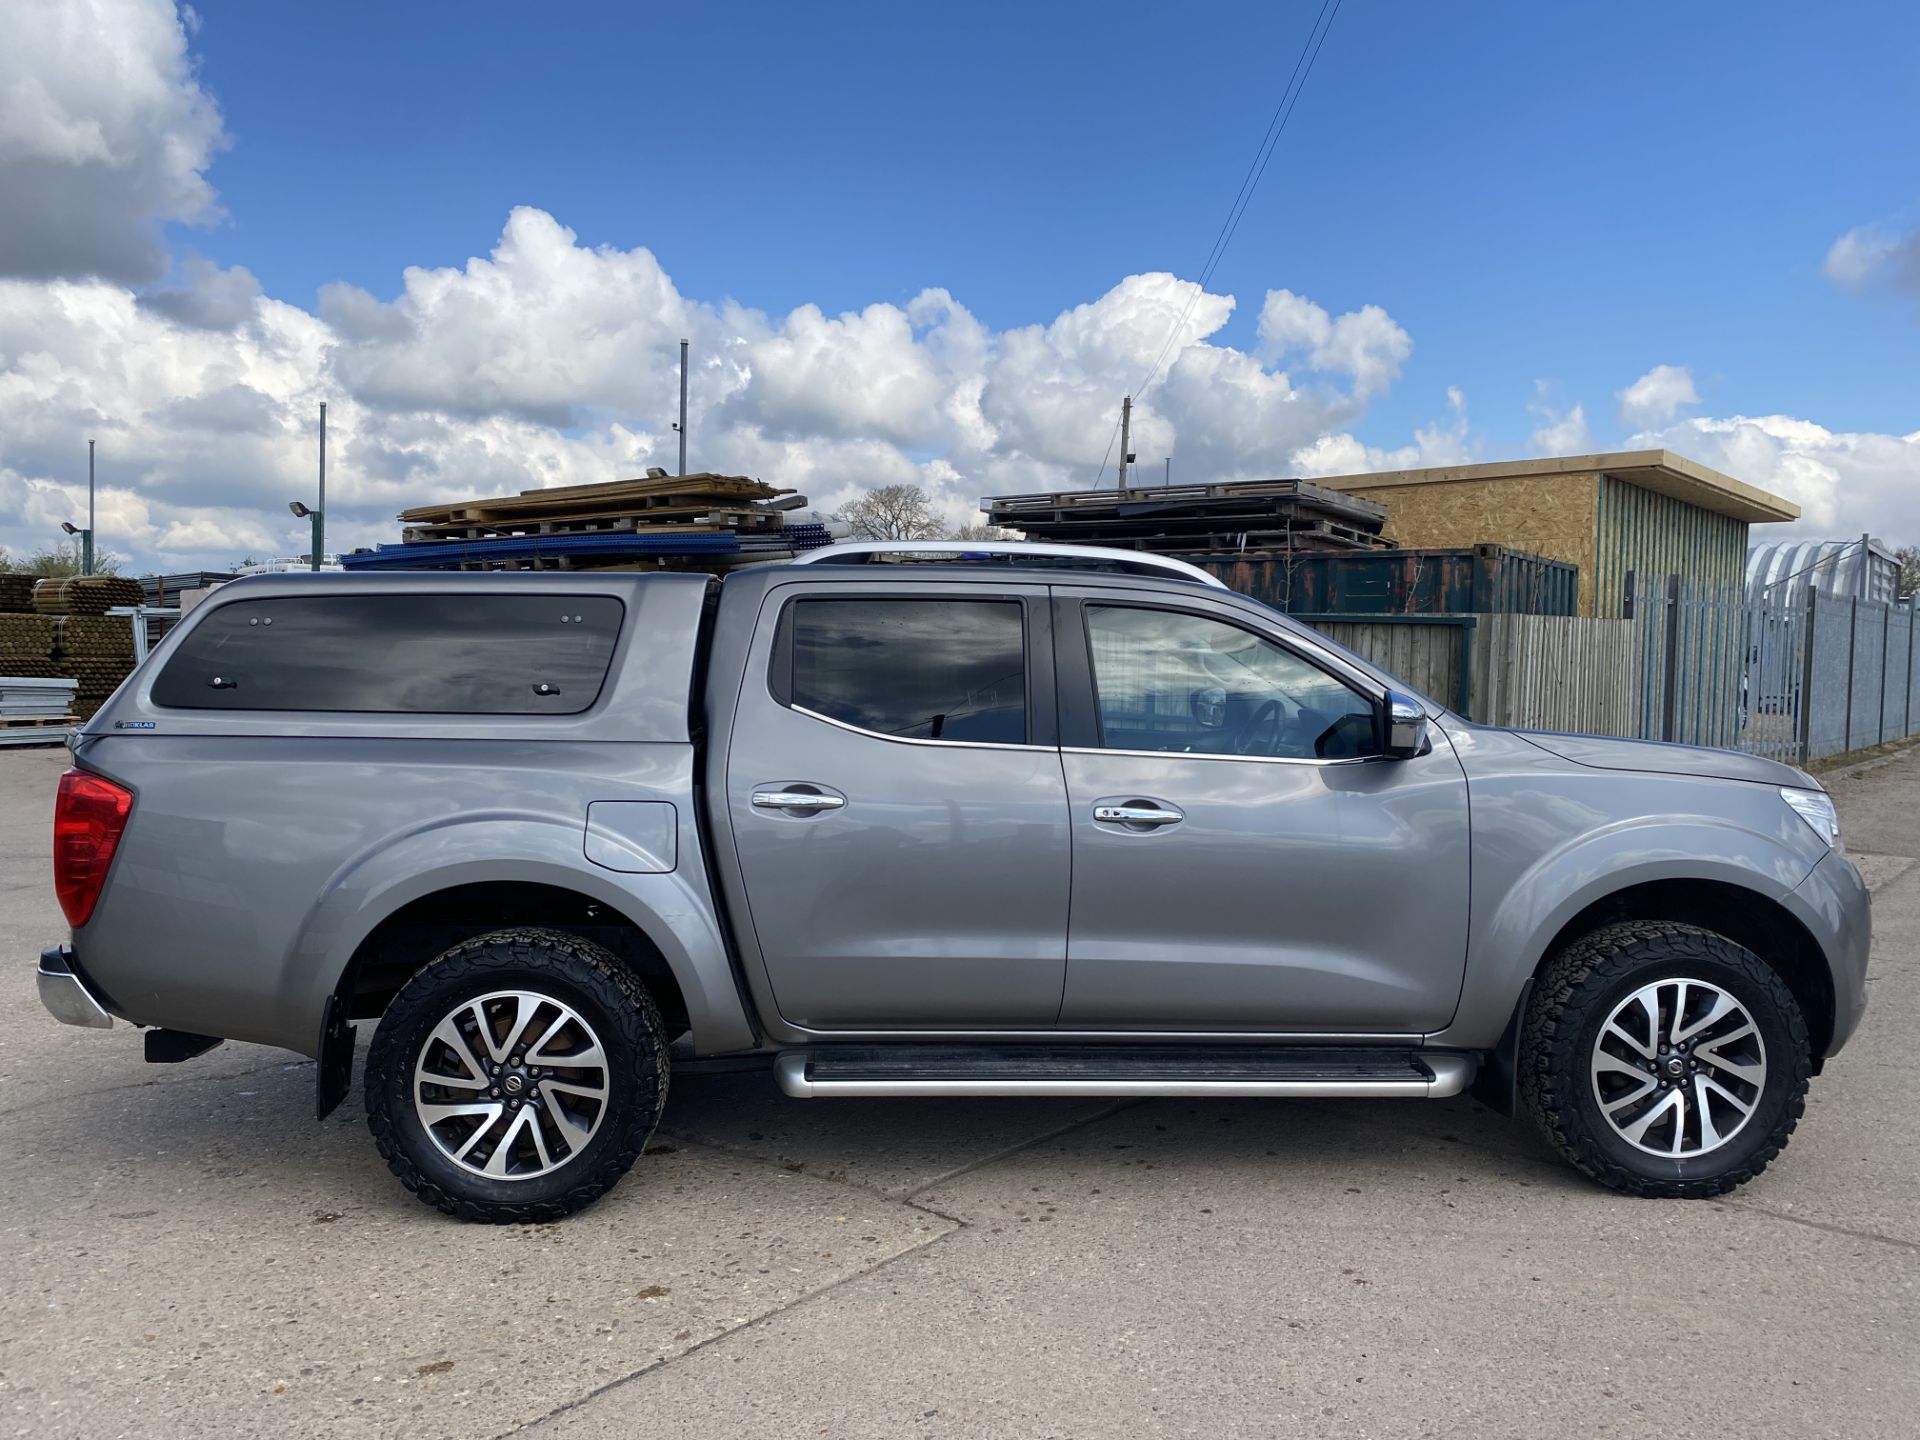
column 1652, row 536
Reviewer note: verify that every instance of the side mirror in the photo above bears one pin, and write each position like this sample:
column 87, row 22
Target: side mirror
column 1407, row 732
column 1209, row 707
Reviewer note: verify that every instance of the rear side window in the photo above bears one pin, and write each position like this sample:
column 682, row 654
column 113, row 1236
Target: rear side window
column 456, row 654
column 916, row 669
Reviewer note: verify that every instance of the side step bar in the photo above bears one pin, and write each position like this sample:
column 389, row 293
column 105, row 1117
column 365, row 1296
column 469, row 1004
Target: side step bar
column 1196, row 1070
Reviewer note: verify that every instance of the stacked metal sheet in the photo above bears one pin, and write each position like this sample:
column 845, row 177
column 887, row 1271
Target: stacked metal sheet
column 35, row 710
column 167, row 589
column 688, row 522
column 1241, row 517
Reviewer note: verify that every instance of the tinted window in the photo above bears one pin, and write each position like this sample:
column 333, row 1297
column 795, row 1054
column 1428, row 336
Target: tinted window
column 463, row 654
column 918, row 669
column 1177, row 682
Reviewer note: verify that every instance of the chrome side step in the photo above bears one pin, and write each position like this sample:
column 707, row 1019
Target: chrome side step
column 1120, row 1070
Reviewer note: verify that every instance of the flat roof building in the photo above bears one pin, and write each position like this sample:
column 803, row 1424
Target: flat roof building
column 1649, row 513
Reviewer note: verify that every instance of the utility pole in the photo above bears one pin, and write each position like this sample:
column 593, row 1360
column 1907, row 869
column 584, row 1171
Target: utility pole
column 682, row 426
column 319, row 517
column 1126, row 430
column 86, row 539
column 1167, row 477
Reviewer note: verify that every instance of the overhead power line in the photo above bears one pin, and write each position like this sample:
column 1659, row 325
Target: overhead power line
column 1249, row 183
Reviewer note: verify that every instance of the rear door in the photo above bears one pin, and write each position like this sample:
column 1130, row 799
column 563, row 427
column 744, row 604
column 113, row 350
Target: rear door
column 896, row 796
column 1242, row 857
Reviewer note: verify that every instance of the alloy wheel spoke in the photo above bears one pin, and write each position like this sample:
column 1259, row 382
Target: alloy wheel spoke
column 1625, row 1037
column 1710, row 1135
column 575, row 1134
column 447, row 1032
column 497, row 1162
column 1637, row 1131
column 1723, row 1006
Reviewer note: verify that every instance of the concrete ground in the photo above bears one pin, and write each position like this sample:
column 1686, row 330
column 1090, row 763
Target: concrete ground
column 187, row 1253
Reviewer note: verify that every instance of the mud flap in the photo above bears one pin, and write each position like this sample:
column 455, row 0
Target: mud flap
column 336, row 1058
column 1497, row 1084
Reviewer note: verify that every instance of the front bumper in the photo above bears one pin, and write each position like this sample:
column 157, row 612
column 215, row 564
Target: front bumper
column 1834, row 904
column 65, row 994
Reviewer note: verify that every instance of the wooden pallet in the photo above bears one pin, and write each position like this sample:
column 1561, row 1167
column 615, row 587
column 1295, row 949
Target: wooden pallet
column 617, row 496
column 678, row 521
column 29, row 722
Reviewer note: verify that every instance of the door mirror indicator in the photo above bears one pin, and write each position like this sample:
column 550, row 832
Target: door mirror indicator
column 1408, row 733
column 1208, row 707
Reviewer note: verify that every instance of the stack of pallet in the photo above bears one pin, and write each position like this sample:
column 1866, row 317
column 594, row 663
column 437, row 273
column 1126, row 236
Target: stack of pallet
column 687, row 522
column 1243, row 517
column 32, row 707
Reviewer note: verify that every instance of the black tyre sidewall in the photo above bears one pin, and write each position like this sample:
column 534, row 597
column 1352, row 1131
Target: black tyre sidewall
column 1586, row 1135
column 635, row 1070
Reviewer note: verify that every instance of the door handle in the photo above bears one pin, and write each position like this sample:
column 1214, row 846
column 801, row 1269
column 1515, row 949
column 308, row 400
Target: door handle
column 796, row 800
column 1137, row 815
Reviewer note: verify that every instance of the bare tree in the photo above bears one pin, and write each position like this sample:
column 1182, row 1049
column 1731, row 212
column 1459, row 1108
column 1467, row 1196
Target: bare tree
column 57, row 561
column 1909, row 579
column 982, row 532
column 893, row 512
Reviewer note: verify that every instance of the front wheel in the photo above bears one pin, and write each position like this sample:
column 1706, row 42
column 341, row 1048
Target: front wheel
column 517, row 1077
column 1664, row 1060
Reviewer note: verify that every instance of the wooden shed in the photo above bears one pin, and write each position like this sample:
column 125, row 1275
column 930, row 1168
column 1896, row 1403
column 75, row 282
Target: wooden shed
column 1647, row 512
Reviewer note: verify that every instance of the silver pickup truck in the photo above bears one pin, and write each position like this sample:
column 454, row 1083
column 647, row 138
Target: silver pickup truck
column 1069, row 825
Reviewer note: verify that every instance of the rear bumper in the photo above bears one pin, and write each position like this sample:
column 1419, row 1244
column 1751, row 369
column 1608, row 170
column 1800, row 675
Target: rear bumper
column 65, row 994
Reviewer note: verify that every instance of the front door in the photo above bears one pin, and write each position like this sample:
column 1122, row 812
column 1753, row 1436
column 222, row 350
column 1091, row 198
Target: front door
column 1242, row 857
column 899, row 809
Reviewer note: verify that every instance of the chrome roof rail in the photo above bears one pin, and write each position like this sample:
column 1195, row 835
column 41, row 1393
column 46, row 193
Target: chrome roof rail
column 1097, row 557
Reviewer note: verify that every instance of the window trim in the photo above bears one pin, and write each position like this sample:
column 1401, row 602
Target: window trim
column 214, row 609
column 1080, row 687
column 1036, row 639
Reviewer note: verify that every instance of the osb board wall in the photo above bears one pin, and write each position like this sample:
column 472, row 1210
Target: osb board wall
column 1551, row 515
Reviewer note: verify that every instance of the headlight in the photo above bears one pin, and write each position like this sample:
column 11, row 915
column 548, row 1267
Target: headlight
column 1816, row 808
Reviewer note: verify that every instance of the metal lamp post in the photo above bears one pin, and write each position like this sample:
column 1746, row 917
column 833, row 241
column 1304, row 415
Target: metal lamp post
column 316, row 513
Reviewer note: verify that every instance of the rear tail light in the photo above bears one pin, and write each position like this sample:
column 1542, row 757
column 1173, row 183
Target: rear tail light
column 87, row 821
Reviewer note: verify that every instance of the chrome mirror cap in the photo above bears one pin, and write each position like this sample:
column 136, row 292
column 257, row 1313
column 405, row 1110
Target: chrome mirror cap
column 1408, row 734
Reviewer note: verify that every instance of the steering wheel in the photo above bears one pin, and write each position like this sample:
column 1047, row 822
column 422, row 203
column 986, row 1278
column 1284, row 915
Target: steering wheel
column 1243, row 742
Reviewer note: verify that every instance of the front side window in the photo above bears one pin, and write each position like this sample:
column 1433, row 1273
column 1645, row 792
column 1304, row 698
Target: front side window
column 1170, row 681
column 405, row 654
column 913, row 669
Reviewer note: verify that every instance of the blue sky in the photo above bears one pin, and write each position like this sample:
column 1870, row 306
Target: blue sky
column 1570, row 193
column 936, row 244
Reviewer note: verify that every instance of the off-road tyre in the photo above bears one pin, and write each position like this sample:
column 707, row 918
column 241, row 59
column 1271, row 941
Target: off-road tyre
column 572, row 970
column 1575, row 993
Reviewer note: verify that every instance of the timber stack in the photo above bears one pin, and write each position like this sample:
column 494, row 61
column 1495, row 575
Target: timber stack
column 1244, row 517
column 704, row 522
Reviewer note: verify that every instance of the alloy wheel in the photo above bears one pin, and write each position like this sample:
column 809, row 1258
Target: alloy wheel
column 511, row 1085
column 1678, row 1068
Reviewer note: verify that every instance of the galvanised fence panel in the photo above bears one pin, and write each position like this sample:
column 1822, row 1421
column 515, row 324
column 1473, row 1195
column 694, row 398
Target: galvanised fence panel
column 1896, row 717
column 1869, row 679
column 1829, row 678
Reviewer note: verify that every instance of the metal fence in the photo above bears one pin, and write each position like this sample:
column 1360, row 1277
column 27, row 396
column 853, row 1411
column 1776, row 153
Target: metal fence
column 1795, row 681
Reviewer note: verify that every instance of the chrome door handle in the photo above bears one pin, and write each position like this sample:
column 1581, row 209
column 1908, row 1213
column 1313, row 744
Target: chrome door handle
column 1137, row 814
column 796, row 800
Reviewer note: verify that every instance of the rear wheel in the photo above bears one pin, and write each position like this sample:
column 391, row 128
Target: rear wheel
column 516, row 1077
column 1664, row 1060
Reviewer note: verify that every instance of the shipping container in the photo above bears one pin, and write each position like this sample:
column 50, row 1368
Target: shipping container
column 1472, row 580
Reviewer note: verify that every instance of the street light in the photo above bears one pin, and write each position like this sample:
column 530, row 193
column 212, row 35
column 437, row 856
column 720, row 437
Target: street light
column 316, row 513
column 86, row 544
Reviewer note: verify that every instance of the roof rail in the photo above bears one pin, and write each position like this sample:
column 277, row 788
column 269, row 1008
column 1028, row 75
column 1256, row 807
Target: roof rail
column 1091, row 557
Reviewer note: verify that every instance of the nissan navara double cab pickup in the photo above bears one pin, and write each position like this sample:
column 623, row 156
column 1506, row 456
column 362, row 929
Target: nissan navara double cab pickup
column 1045, row 822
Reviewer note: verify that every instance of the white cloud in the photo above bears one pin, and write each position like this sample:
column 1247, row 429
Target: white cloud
column 1872, row 255
column 1561, row 432
column 1364, row 344
column 1845, row 483
column 105, row 134
column 550, row 362
column 1657, row 396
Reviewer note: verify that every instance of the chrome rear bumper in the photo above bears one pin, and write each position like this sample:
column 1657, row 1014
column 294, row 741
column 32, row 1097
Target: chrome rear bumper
column 65, row 994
